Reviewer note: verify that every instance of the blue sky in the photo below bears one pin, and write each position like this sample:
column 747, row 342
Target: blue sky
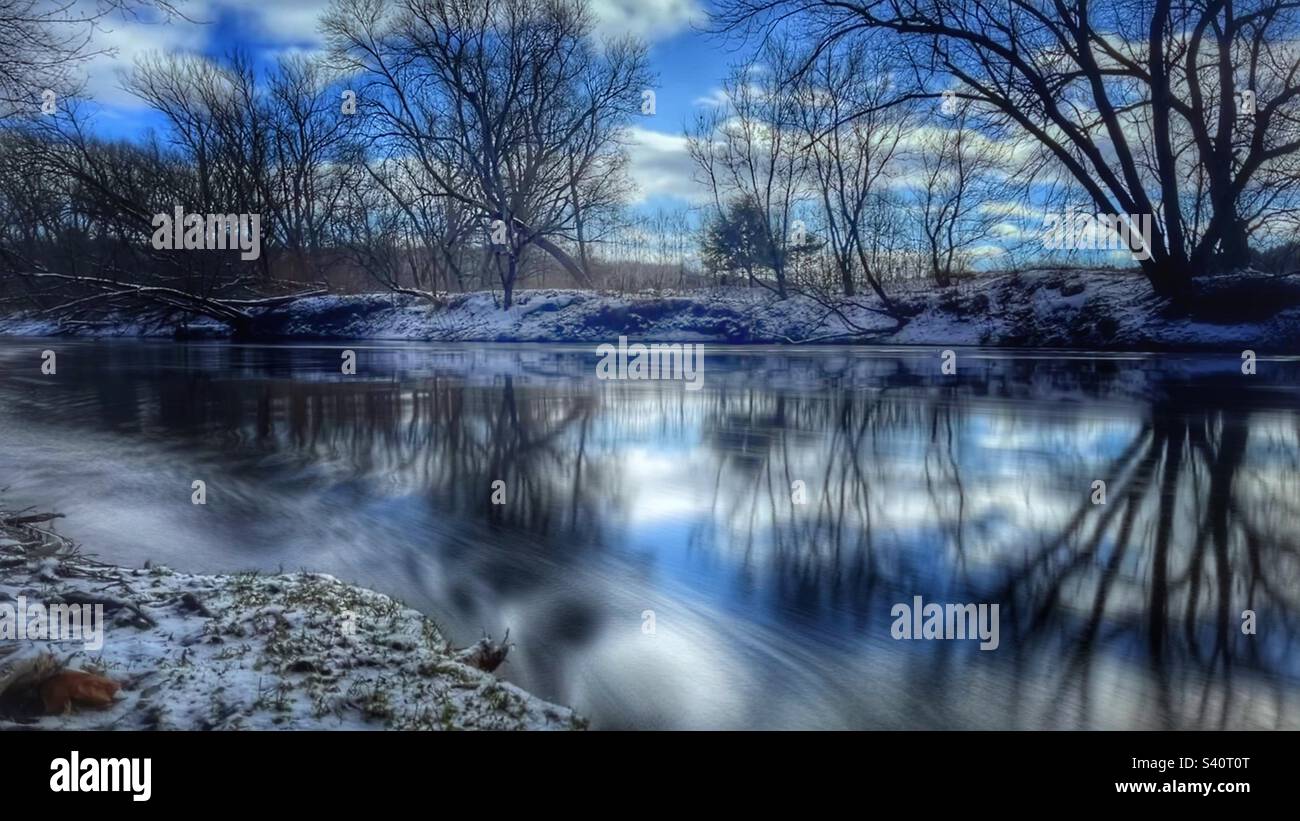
column 690, row 65
column 689, row 62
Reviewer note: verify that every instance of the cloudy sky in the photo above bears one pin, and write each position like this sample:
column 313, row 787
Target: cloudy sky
column 689, row 63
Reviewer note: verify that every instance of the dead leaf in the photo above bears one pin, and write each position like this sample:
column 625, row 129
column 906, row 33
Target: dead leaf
column 61, row 690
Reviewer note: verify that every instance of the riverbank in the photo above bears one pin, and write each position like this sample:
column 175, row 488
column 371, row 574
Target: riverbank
column 1049, row 308
column 245, row 651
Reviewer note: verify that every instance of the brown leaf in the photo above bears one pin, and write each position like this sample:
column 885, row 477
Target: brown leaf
column 61, row 690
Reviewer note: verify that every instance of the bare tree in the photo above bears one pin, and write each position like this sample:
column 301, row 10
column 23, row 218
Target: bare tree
column 221, row 122
column 42, row 42
column 517, row 93
column 309, row 176
column 959, row 176
column 397, row 227
column 851, row 155
column 749, row 150
column 1189, row 112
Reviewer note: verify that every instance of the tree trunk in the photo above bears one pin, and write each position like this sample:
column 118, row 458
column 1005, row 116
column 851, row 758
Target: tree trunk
column 876, row 286
column 1234, row 248
column 941, row 277
column 1169, row 278
column 508, row 281
column 578, row 227
column 559, row 255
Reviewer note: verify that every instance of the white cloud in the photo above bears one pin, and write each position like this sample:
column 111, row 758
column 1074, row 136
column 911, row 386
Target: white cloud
column 986, row 251
column 648, row 19
column 1011, row 208
column 123, row 41
column 295, row 20
column 662, row 166
column 716, row 98
column 291, row 25
column 285, row 26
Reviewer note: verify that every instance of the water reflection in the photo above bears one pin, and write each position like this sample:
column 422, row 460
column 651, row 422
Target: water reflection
column 628, row 497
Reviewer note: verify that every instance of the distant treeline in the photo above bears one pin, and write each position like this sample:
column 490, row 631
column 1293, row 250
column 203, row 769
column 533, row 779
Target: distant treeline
column 449, row 145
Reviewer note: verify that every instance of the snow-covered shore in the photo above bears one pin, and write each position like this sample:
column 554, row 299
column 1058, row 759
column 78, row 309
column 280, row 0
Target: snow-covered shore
column 244, row 651
column 1098, row 310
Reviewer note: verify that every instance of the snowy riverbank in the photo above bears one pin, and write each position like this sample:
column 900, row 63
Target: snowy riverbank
column 1098, row 310
column 245, row 651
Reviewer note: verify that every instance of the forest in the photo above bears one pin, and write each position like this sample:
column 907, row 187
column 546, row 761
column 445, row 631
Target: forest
column 855, row 154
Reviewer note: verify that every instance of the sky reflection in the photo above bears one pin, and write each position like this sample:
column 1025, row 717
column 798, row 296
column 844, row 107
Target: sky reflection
column 627, row 497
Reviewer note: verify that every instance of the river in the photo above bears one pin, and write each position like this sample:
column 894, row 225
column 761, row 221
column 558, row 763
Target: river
column 729, row 557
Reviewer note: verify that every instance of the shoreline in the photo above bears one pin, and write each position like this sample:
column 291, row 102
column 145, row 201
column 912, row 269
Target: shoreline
column 1041, row 309
column 301, row 651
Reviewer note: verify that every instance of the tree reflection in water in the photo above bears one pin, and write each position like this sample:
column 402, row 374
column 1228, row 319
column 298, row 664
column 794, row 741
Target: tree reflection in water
column 967, row 489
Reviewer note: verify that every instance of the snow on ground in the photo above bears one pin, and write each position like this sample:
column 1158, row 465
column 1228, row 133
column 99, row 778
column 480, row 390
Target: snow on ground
column 290, row 651
column 1099, row 310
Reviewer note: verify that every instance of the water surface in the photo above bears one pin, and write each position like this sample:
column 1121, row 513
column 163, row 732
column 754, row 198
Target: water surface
column 626, row 499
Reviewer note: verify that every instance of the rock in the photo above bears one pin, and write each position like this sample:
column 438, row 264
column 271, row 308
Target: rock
column 191, row 603
column 485, row 654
